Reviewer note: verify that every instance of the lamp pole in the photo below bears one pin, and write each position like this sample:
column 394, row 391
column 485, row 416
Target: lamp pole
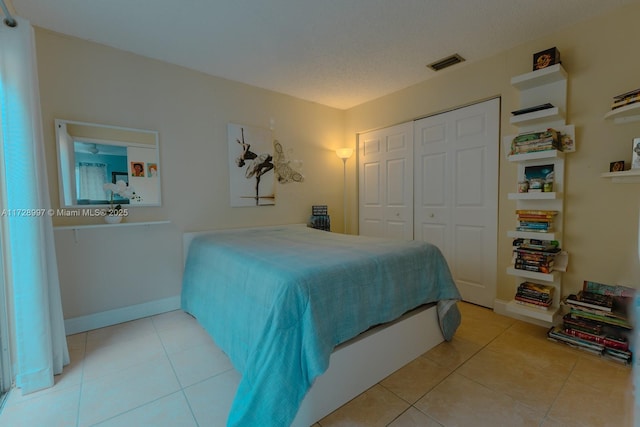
column 344, row 193
column 344, row 154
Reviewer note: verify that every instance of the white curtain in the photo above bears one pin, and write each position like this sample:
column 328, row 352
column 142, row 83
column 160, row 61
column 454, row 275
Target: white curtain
column 91, row 178
column 38, row 344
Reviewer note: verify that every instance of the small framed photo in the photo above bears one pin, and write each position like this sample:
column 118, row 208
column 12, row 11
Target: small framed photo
column 616, row 166
column 545, row 58
column 120, row 176
column 152, row 170
column 635, row 156
column 137, row 169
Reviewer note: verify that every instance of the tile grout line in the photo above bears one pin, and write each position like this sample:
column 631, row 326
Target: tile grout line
column 158, row 398
column 175, row 373
column 412, row 405
column 84, row 360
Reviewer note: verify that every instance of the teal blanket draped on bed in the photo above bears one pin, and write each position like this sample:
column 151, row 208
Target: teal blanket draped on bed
column 278, row 300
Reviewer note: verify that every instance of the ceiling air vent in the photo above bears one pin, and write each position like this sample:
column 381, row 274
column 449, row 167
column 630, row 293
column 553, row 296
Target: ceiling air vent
column 446, row 62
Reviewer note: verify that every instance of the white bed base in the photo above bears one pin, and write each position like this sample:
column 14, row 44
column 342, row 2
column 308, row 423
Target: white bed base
column 365, row 360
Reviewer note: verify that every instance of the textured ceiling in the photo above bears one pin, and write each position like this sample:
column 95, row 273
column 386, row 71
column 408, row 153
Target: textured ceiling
column 339, row 53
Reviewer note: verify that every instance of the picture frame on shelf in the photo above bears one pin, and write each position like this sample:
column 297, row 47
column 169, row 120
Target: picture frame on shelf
column 616, row 166
column 546, row 58
column 539, row 177
column 635, row 156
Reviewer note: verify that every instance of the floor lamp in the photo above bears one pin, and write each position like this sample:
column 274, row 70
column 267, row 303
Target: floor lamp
column 344, row 154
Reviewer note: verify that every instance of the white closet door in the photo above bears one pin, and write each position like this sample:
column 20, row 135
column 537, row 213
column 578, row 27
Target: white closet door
column 456, row 194
column 386, row 182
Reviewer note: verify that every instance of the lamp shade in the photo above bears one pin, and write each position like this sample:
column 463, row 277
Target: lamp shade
column 344, row 153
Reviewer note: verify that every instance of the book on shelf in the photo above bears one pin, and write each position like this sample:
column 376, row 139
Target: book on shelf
column 528, row 110
column 535, row 218
column 626, row 98
column 626, row 94
column 532, row 305
column 536, row 141
column 536, row 288
column 544, row 298
column 626, row 101
column 550, row 254
column 534, row 259
column 534, row 229
column 539, row 223
column 536, row 245
column 536, row 215
column 534, row 262
column 537, row 300
column 535, row 226
column 534, row 268
column 584, row 299
column 536, row 212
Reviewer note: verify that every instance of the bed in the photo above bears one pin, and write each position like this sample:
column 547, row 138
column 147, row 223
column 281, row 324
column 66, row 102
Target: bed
column 288, row 304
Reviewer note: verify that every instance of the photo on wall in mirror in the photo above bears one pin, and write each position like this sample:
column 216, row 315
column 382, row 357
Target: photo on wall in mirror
column 137, row 169
column 635, row 155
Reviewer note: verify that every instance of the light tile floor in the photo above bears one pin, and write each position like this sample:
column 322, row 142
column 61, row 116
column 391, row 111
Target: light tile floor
column 166, row 371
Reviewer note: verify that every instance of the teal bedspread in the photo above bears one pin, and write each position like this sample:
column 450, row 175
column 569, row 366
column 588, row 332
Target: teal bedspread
column 277, row 300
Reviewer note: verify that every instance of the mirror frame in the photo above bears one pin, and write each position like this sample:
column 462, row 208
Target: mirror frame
column 66, row 159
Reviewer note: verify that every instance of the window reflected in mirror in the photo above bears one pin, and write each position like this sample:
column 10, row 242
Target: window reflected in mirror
column 91, row 155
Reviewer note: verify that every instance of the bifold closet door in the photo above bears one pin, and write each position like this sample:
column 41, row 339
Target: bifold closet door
column 385, row 177
column 456, row 193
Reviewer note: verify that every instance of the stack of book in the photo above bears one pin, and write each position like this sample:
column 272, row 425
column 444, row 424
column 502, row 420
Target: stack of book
column 535, row 295
column 597, row 321
column 534, row 260
column 536, row 244
column 536, row 141
column 535, row 220
column 626, row 98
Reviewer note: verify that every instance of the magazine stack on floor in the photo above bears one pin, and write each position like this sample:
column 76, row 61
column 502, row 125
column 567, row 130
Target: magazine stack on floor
column 598, row 321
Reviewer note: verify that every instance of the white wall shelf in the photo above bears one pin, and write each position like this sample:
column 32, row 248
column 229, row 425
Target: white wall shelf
column 536, row 235
column 626, row 114
column 538, row 117
column 544, row 277
column 535, row 79
column 631, row 176
column 530, row 195
column 536, row 155
column 549, row 316
column 539, row 87
column 105, row 225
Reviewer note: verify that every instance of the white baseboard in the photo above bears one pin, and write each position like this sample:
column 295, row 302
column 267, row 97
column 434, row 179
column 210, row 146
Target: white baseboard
column 76, row 325
column 500, row 307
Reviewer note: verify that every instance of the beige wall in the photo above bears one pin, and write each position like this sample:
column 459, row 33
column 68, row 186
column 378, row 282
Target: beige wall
column 601, row 222
column 89, row 82
column 105, row 269
column 111, row 268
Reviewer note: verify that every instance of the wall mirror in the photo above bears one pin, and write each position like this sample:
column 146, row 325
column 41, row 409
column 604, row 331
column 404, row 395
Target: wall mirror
column 90, row 155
